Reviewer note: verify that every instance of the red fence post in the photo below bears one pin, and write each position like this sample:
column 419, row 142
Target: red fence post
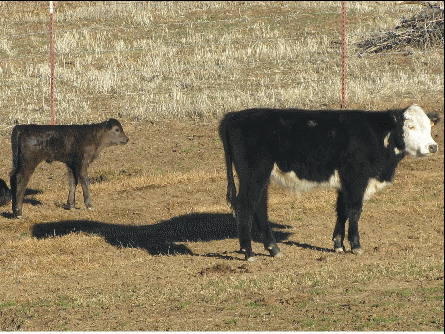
column 343, row 54
column 51, row 56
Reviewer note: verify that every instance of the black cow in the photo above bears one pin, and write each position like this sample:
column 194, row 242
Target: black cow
column 354, row 151
column 5, row 193
column 75, row 145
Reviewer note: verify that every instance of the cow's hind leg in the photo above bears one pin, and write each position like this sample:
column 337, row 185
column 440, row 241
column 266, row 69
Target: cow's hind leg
column 244, row 220
column 339, row 231
column 252, row 186
column 245, row 217
column 263, row 226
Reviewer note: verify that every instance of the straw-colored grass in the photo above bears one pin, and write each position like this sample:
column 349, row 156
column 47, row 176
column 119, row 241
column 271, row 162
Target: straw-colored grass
column 200, row 60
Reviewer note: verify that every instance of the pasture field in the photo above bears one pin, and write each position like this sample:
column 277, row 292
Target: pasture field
column 160, row 250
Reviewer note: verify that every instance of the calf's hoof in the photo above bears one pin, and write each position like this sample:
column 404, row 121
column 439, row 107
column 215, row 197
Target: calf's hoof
column 339, row 250
column 69, row 206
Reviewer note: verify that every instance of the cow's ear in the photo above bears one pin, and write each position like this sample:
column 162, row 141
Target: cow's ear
column 434, row 118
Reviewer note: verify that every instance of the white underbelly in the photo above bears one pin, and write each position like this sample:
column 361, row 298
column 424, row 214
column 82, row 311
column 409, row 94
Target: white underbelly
column 374, row 186
column 297, row 185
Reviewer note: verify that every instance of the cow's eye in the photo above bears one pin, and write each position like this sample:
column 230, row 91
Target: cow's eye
column 117, row 130
column 411, row 127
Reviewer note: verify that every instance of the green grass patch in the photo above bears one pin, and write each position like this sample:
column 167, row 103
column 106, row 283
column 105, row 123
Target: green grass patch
column 7, row 304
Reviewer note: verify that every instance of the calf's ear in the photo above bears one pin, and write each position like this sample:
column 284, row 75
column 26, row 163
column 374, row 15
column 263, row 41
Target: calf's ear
column 434, row 118
column 109, row 124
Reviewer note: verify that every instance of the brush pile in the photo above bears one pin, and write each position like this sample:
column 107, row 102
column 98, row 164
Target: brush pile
column 423, row 30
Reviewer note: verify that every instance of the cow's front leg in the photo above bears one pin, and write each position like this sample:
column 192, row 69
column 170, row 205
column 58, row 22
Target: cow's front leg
column 85, row 181
column 72, row 181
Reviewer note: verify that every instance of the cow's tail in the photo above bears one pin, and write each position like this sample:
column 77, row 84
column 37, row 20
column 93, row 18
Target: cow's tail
column 231, row 188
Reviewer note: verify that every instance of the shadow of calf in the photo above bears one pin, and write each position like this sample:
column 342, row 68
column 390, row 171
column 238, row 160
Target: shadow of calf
column 161, row 238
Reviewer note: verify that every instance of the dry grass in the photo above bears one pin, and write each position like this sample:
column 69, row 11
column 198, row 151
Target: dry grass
column 160, row 251
column 175, row 60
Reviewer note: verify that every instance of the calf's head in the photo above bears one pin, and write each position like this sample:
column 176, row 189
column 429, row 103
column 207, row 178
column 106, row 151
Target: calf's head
column 417, row 131
column 114, row 134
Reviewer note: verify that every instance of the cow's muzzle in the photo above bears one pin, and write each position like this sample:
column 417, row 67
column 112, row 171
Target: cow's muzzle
column 432, row 148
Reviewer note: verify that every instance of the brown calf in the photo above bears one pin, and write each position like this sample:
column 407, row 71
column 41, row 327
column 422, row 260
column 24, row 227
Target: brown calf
column 75, row 145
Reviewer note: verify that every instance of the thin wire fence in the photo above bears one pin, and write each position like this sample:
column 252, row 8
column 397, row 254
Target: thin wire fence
column 166, row 47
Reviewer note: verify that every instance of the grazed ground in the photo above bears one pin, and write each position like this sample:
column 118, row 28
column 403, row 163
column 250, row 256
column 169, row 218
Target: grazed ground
column 160, row 250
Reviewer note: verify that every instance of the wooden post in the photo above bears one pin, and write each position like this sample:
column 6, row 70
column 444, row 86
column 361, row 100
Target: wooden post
column 343, row 54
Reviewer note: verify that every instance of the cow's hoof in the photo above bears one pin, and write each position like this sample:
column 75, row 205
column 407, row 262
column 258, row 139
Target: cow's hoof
column 19, row 216
column 249, row 256
column 357, row 251
column 339, row 250
column 278, row 255
column 90, row 207
column 274, row 251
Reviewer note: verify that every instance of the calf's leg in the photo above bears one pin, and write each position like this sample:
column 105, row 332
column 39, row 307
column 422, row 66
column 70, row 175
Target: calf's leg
column 84, row 182
column 72, row 181
column 19, row 179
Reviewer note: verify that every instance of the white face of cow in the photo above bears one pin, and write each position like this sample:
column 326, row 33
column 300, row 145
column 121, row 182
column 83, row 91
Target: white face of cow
column 417, row 132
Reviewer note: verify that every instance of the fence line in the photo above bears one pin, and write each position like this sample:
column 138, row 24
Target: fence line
column 332, row 50
column 103, row 28
column 203, row 44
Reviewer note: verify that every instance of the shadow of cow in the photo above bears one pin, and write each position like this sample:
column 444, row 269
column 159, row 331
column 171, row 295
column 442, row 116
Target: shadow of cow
column 162, row 238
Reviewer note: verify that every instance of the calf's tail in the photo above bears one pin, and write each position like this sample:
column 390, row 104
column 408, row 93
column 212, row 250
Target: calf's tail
column 231, row 188
column 15, row 147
